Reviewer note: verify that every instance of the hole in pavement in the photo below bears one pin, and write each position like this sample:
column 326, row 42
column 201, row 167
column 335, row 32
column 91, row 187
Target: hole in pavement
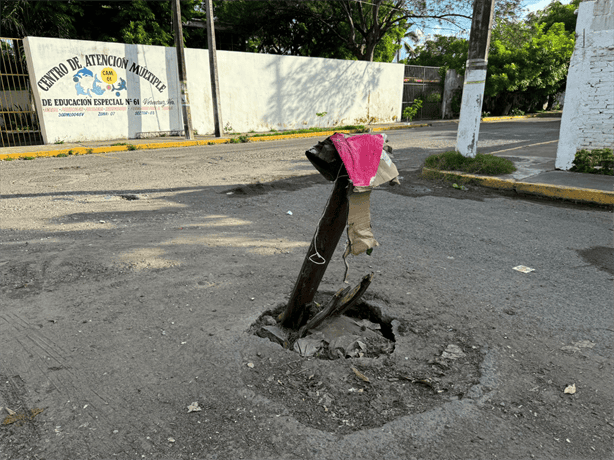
column 427, row 364
column 363, row 331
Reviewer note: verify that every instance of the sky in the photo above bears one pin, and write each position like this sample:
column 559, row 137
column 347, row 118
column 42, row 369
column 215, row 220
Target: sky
column 534, row 5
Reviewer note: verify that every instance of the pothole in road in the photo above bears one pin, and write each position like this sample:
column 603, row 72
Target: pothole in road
column 411, row 368
column 364, row 331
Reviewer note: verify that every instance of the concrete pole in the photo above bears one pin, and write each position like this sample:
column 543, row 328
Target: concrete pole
column 215, row 84
column 185, row 100
column 475, row 78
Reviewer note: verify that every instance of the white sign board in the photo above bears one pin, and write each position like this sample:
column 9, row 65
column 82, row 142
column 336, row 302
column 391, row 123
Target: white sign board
column 100, row 91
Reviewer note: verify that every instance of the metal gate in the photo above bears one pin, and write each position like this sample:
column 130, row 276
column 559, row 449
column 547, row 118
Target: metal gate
column 19, row 123
column 423, row 83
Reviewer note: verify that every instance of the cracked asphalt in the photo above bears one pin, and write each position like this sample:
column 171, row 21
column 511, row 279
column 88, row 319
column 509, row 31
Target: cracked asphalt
column 129, row 282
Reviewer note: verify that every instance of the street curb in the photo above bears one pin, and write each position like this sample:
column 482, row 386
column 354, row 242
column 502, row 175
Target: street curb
column 576, row 194
column 392, row 128
column 165, row 145
column 156, row 145
column 520, row 117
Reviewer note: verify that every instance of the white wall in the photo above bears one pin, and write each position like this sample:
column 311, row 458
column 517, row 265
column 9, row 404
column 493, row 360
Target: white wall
column 258, row 92
column 588, row 112
column 68, row 113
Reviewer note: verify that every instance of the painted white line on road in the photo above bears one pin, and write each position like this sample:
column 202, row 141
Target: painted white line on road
column 524, row 146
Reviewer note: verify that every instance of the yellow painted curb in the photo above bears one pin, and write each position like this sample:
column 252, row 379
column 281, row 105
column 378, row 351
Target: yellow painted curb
column 110, row 148
column 568, row 193
column 164, row 145
column 298, row 136
column 600, row 197
column 158, row 145
column 390, row 128
column 519, row 117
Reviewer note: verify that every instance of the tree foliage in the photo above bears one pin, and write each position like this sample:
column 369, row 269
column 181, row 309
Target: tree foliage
column 20, row 18
column 345, row 29
column 556, row 13
column 525, row 74
column 442, row 51
column 136, row 21
column 370, row 31
column 342, row 29
column 527, row 63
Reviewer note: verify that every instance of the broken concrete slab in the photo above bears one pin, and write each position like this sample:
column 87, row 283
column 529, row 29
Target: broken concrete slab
column 274, row 334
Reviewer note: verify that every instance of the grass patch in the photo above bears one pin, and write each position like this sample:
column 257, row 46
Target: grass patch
column 89, row 151
column 597, row 161
column 118, row 143
column 61, row 155
column 132, row 147
column 29, row 158
column 481, row 164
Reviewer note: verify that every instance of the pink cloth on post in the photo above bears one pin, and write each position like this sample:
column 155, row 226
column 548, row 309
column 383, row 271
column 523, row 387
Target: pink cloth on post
column 361, row 156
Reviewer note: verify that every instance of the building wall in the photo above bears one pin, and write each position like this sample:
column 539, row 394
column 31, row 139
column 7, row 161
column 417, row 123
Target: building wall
column 258, row 92
column 588, row 113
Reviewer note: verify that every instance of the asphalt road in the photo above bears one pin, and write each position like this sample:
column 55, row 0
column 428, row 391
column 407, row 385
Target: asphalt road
column 129, row 281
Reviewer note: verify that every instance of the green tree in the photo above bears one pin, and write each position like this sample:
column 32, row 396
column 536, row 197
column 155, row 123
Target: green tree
column 556, row 13
column 341, row 28
column 527, row 63
column 20, row 18
column 283, row 27
column 135, row 21
column 346, row 29
column 442, row 51
column 525, row 75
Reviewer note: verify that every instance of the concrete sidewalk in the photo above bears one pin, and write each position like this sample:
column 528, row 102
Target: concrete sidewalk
column 536, row 173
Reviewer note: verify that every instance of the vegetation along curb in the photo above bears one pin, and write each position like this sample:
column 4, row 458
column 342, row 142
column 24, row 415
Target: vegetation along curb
column 546, row 190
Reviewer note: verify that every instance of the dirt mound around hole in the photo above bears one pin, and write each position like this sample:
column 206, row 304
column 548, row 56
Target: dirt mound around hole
column 423, row 370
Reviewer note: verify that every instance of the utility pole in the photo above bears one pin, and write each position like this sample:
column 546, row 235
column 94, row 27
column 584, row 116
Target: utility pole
column 215, row 84
column 475, row 78
column 185, row 100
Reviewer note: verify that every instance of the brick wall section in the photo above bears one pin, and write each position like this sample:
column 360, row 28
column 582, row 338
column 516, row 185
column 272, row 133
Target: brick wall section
column 588, row 113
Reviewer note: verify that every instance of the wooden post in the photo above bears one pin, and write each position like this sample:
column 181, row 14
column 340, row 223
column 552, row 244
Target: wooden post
column 185, row 100
column 327, row 236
